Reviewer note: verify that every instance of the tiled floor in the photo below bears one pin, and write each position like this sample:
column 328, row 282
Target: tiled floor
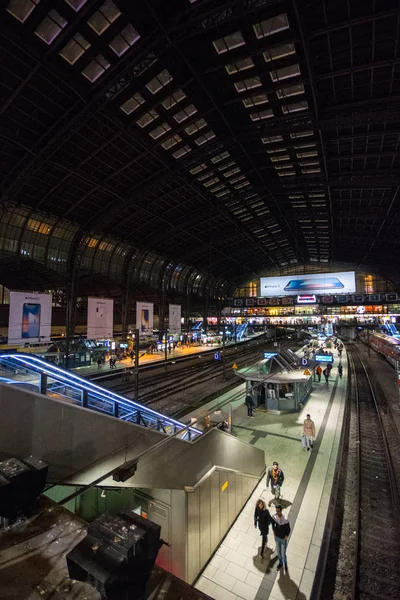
column 236, row 570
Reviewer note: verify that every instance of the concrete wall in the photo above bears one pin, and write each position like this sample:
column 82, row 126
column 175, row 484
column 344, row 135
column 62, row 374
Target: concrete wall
column 66, row 437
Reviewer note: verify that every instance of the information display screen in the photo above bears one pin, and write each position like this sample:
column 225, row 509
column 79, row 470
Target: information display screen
column 323, row 358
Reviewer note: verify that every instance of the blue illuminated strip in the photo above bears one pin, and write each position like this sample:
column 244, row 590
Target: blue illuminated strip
column 60, row 373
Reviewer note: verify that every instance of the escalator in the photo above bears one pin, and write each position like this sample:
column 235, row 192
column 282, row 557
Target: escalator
column 34, row 374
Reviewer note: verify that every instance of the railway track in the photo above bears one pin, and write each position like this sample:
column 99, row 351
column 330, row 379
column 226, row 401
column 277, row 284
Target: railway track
column 377, row 568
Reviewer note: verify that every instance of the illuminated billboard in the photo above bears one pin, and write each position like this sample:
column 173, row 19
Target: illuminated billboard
column 294, row 285
column 100, row 318
column 29, row 318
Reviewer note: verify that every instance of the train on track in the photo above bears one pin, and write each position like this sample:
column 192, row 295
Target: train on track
column 387, row 345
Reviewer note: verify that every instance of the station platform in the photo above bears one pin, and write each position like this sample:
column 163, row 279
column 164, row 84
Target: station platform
column 236, row 571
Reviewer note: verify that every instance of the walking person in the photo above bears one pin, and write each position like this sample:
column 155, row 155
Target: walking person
column 250, row 405
column 309, row 432
column 276, row 477
column 262, row 518
column 318, row 371
column 340, row 370
column 281, row 529
column 326, row 375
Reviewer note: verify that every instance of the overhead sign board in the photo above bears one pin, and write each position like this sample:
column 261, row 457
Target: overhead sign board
column 29, row 317
column 324, row 358
column 268, row 355
column 295, row 285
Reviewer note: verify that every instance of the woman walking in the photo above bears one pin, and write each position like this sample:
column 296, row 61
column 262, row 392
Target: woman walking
column 262, row 518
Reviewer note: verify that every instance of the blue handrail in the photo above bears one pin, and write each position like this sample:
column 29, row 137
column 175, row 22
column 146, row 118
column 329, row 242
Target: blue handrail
column 93, row 396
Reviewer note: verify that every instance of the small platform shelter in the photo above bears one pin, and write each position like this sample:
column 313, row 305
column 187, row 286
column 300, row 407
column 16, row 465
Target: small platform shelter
column 279, row 381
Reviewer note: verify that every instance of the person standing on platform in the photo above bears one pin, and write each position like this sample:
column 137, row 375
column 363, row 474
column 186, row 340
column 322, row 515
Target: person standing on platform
column 281, row 529
column 318, row 371
column 309, row 432
column 340, row 370
column 276, row 477
column 250, row 405
column 262, row 518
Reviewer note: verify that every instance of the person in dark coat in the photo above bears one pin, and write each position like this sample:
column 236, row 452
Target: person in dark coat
column 250, row 405
column 262, row 518
column 281, row 529
column 340, row 370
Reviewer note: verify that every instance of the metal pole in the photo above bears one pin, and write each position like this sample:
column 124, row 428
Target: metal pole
column 369, row 349
column 136, row 364
column 223, row 353
column 165, row 351
column 398, row 377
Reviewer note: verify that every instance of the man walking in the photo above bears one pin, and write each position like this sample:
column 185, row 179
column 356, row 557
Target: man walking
column 309, row 432
column 276, row 477
column 340, row 370
column 318, row 371
column 281, row 529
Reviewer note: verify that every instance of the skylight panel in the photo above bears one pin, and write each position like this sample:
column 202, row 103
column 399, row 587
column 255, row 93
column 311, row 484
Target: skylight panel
column 277, row 150
column 305, row 171
column 191, row 129
column 160, row 130
column 255, row 100
column 227, row 165
column 173, row 99
column 185, row 113
column 301, row 134
column 96, row 68
column 172, row 141
column 279, row 158
column 229, row 42
column 286, row 173
column 262, row 114
column 232, row 172
column 198, row 169
column 285, row 73
column 247, row 84
column 271, row 26
column 124, row 40
column 279, row 52
column 211, row 182
column 209, row 135
column 21, row 9
column 271, row 139
column 158, row 82
column 132, row 103
column 294, row 107
column 181, row 151
column 239, row 65
column 101, row 20
column 75, row 48
column 147, row 118
column 219, row 157
column 51, row 26
column 290, row 90
column 306, row 154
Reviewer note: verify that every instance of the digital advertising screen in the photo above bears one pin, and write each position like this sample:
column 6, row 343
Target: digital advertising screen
column 299, row 285
column 29, row 318
column 100, row 318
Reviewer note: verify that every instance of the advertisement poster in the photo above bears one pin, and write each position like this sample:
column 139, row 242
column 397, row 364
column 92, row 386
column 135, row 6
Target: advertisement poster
column 30, row 318
column 294, row 285
column 100, row 318
column 144, row 318
column 174, row 318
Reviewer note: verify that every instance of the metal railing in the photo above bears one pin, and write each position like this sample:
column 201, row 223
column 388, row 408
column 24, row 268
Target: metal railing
column 55, row 382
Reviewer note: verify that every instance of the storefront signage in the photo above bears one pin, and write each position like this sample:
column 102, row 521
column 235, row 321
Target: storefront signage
column 306, row 299
column 324, row 358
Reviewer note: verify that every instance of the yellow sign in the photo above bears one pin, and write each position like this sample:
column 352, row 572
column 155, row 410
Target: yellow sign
column 223, row 488
column 307, row 372
column 235, row 366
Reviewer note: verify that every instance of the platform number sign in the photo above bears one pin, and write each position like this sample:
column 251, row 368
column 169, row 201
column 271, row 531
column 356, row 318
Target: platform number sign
column 217, row 355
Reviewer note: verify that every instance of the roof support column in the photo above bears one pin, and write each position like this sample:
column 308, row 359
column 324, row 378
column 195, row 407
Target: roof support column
column 71, row 292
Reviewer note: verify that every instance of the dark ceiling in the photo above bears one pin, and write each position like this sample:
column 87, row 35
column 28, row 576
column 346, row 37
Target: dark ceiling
column 235, row 136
